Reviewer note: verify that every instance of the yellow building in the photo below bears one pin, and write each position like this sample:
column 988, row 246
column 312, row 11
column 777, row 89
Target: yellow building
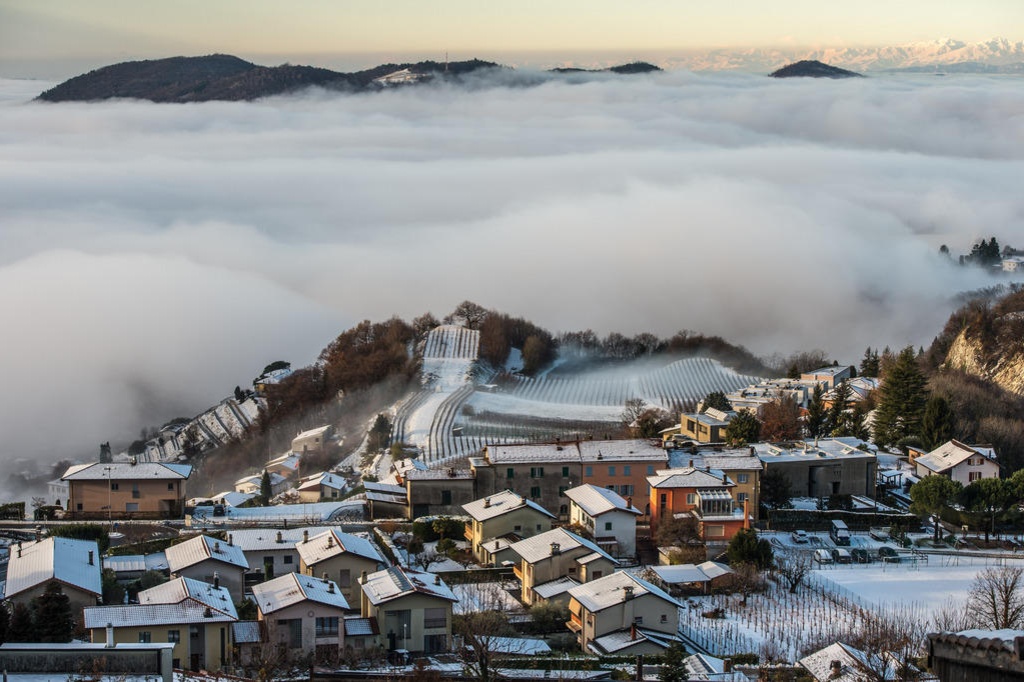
column 413, row 609
column 553, row 562
column 302, row 614
column 340, row 557
column 120, row 490
column 622, row 615
column 503, row 516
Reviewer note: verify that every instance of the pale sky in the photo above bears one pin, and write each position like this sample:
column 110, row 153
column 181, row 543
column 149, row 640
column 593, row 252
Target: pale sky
column 103, row 31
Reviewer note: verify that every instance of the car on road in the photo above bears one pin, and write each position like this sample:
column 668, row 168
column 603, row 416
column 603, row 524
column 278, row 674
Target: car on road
column 800, row 536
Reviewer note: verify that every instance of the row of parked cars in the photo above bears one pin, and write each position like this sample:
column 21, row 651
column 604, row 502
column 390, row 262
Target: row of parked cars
column 841, row 555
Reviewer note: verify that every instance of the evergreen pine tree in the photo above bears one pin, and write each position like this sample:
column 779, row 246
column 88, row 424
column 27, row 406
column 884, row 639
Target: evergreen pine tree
column 817, row 419
column 837, row 412
column 266, row 490
column 5, row 623
column 22, row 628
column 52, row 615
column 936, row 422
column 902, row 398
column 869, row 363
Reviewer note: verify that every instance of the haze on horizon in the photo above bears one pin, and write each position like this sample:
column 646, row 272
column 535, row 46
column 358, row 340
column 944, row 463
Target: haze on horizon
column 60, row 38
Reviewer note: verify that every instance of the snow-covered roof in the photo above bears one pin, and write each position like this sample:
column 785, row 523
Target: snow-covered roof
column 393, row 498
column 690, row 573
column 201, row 548
column 403, row 466
column 595, row 501
column 268, row 539
column 246, row 632
column 377, row 487
column 289, row 460
column 66, row 560
column 518, row 646
column 356, row 626
column 233, row 498
column 314, row 512
column 125, row 471
column 610, row 590
column 821, row 449
column 324, row 478
column 553, row 588
column 705, row 667
column 950, row 454
column 187, row 589
column 855, row 665
column 257, row 479
column 318, row 431
column 134, row 615
column 294, row 588
column 620, row 450
column 688, row 477
column 498, row 504
column 538, row 547
column 156, row 561
column 621, row 640
column 396, row 582
column 333, row 542
column 437, row 474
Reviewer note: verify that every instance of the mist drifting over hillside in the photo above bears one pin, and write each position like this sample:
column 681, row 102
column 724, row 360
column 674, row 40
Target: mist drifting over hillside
column 153, row 256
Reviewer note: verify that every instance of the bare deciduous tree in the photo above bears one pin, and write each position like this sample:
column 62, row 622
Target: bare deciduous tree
column 793, row 568
column 996, row 599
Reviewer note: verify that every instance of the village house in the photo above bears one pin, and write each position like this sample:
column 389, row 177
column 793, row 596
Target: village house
column 269, row 551
column 705, row 427
column 209, row 560
column 438, row 492
column 543, row 472
column 553, row 562
column 74, row 564
column 194, row 616
column 965, row 464
column 741, row 465
column 149, row 490
column 322, row 487
column 303, row 614
column 860, row 389
column 338, row 556
column 622, row 615
column 821, row 468
column 286, row 465
column 609, row 517
column 679, row 579
column 828, row 376
column 703, row 494
column 498, row 520
column 840, row 662
column 386, row 500
column 413, row 609
column 251, row 485
column 312, row 440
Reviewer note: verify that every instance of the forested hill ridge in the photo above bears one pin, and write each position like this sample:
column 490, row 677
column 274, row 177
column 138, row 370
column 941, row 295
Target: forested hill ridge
column 225, row 77
column 632, row 67
column 811, row 68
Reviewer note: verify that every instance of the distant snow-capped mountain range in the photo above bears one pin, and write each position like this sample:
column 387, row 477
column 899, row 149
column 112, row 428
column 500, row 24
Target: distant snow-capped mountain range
column 995, row 54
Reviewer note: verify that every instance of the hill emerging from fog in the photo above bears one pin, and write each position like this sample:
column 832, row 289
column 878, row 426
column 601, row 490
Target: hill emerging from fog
column 811, row 68
column 228, row 78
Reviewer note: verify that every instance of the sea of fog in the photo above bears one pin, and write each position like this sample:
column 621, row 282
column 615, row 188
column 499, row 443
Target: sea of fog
column 154, row 256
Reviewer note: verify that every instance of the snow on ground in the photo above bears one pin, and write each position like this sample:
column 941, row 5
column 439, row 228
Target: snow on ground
column 474, row 597
column 319, row 512
column 504, row 403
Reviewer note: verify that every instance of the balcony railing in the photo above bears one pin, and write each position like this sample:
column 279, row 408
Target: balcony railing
column 517, row 572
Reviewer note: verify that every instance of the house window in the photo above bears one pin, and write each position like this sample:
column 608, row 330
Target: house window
column 536, row 472
column 564, row 509
column 716, row 531
column 287, row 558
column 535, row 492
column 611, row 471
column 517, row 528
column 327, row 627
column 572, row 570
column 135, row 491
column 627, row 470
column 597, row 574
column 565, row 472
column 626, row 490
column 691, row 498
column 174, row 636
column 131, row 506
column 742, row 478
column 973, row 476
column 650, row 469
column 589, row 471
column 607, row 525
column 435, row 618
column 510, row 473
column 345, row 577
column 446, row 497
column 115, row 486
column 170, row 486
column 638, row 620
column 664, row 618
column 78, row 506
column 742, row 497
column 145, row 637
column 561, row 490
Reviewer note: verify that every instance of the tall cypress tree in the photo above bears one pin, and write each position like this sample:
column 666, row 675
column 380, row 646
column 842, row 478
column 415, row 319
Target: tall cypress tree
column 817, row 419
column 837, row 413
column 52, row 615
column 266, row 490
column 902, row 398
column 22, row 629
column 936, row 422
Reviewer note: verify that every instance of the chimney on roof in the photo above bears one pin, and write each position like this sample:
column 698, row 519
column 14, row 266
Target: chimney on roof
column 231, row 540
column 330, row 588
column 835, row 669
column 727, row 665
column 691, row 463
column 133, row 461
column 487, row 502
column 208, row 612
column 280, row 537
column 19, row 549
column 91, row 558
column 216, row 580
column 437, row 579
column 627, row 592
column 216, row 547
column 305, row 536
column 556, row 549
column 632, row 632
column 110, row 637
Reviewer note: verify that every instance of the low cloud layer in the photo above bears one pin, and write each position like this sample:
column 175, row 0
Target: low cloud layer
column 153, row 256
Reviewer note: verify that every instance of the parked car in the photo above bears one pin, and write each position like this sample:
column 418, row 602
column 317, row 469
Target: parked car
column 842, row 556
column 823, row 556
column 888, row 554
column 860, row 555
column 800, row 536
